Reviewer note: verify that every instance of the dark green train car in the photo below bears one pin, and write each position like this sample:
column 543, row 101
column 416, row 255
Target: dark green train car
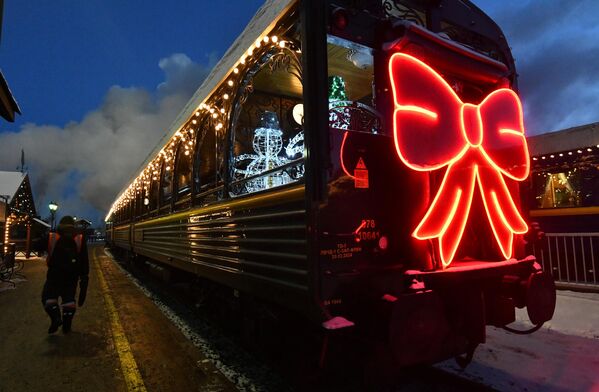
column 359, row 163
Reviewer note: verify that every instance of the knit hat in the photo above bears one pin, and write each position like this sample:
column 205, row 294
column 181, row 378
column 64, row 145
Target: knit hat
column 66, row 225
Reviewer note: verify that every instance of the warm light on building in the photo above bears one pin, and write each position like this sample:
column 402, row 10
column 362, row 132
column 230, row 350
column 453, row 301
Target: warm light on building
column 7, row 233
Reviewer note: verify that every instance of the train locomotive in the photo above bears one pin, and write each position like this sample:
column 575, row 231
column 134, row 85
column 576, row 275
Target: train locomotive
column 358, row 163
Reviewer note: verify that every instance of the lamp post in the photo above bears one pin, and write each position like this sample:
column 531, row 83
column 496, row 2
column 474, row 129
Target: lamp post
column 53, row 207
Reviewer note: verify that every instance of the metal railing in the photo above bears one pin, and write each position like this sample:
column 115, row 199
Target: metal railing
column 572, row 258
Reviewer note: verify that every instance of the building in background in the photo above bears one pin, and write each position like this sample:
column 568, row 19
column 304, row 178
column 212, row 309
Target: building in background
column 18, row 221
column 564, row 191
column 563, row 195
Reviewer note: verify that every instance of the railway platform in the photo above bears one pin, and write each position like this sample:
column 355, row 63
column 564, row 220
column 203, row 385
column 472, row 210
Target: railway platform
column 120, row 341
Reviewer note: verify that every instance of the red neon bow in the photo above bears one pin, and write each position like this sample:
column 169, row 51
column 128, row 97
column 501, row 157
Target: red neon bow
column 433, row 128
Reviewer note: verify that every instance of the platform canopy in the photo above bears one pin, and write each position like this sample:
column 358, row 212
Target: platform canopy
column 566, row 140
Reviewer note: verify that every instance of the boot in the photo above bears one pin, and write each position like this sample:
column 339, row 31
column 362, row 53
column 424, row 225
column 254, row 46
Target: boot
column 68, row 312
column 54, row 313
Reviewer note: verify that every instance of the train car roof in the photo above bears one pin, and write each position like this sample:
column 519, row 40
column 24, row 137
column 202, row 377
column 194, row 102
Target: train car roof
column 567, row 139
column 265, row 19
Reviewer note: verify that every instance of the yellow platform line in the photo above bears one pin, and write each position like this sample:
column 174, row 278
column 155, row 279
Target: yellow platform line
column 129, row 367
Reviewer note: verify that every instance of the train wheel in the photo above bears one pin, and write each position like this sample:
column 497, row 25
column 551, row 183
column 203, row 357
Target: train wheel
column 464, row 360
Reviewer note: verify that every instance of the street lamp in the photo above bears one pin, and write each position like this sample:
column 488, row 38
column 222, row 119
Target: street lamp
column 53, row 207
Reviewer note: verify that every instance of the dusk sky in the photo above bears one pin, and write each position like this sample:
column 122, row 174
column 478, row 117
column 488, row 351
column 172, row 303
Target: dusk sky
column 99, row 82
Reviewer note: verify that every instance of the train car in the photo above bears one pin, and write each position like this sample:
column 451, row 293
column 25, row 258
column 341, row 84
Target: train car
column 563, row 196
column 358, row 163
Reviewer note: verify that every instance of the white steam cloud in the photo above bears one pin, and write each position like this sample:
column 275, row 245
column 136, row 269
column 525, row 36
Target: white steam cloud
column 83, row 165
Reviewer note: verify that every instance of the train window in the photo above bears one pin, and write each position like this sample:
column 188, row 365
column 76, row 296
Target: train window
column 166, row 183
column 205, row 173
column 153, row 197
column 139, row 200
column 351, row 77
column 131, row 209
column 566, row 187
column 267, row 137
column 128, row 210
column 183, row 172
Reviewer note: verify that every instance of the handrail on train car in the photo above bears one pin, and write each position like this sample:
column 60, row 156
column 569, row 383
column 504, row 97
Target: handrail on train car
column 270, row 171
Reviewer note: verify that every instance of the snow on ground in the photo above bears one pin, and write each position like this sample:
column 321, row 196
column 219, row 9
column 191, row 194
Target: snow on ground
column 238, row 366
column 576, row 314
column 18, row 278
column 561, row 356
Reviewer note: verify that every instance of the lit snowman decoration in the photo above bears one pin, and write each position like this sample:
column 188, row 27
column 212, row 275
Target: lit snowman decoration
column 267, row 144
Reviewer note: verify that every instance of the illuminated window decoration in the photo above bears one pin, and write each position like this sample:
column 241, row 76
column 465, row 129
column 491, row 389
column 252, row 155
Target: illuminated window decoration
column 345, row 114
column 337, row 89
column 295, row 150
column 478, row 144
column 296, row 145
column 267, row 144
column 217, row 107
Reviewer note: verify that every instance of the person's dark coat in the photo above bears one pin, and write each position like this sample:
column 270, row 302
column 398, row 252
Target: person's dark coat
column 67, row 265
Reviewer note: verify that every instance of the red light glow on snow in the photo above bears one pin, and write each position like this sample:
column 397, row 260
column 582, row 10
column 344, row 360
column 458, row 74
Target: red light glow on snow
column 479, row 145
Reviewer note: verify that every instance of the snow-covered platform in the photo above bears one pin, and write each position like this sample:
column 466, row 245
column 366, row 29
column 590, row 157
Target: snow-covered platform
column 120, row 340
column 561, row 356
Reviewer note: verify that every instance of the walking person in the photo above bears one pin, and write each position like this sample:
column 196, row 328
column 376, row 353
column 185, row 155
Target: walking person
column 68, row 264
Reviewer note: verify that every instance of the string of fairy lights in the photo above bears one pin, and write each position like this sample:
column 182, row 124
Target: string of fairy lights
column 217, row 106
column 7, row 233
column 18, row 211
column 551, row 160
column 562, row 154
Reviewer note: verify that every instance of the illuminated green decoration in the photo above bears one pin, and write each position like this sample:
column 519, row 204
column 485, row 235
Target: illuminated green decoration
column 337, row 89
